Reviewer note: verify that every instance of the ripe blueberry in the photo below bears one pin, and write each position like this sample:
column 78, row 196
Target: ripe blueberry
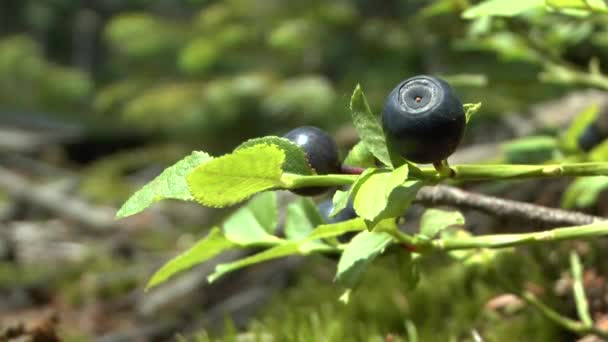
column 590, row 137
column 327, row 206
column 320, row 150
column 423, row 120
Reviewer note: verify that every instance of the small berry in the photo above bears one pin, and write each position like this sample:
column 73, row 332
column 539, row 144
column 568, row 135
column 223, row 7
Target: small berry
column 320, row 150
column 327, row 206
column 423, row 119
column 591, row 137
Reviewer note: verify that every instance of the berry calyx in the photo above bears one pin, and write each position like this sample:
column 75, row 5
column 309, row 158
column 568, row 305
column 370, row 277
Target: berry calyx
column 423, row 120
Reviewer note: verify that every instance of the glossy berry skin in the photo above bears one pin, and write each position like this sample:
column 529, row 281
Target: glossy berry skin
column 320, row 150
column 591, row 137
column 423, row 120
column 326, row 206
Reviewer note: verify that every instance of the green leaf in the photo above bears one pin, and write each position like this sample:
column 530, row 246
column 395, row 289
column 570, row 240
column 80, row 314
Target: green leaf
column 471, row 109
column 360, row 156
column 368, row 127
column 569, row 140
column 599, row 153
column 254, row 223
column 269, row 254
column 584, row 191
column 400, row 200
column 503, row 8
column 295, row 158
column 237, row 176
column 325, row 231
column 341, row 198
column 213, row 244
column 171, row 183
column 531, row 150
column 302, row 218
column 385, row 194
column 358, row 254
column 280, row 251
column 579, row 5
column 434, row 221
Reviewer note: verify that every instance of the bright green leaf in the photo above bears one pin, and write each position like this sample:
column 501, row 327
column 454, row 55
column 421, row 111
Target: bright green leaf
column 280, row 251
column 600, row 152
column 254, row 223
column 471, row 109
column 434, row 221
column 171, row 183
column 341, row 198
column 399, row 201
column 377, row 196
column 295, row 158
column 569, row 140
column 584, row 191
column 580, row 5
column 213, row 244
column 325, row 231
column 358, row 254
column 530, row 150
column 302, row 218
column 368, row 127
column 237, row 176
column 269, row 254
column 360, row 156
column 503, row 8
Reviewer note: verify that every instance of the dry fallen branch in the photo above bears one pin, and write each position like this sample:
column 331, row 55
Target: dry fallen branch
column 448, row 195
column 95, row 218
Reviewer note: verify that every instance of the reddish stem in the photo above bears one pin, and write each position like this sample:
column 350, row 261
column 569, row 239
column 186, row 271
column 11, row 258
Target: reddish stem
column 352, row 170
column 408, row 248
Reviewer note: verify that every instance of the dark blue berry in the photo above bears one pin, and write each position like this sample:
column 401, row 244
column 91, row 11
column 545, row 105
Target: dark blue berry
column 327, row 206
column 591, row 137
column 320, row 150
column 423, row 120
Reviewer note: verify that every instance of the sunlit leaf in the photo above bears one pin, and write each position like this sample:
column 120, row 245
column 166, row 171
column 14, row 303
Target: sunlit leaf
column 434, row 221
column 254, row 223
column 503, row 8
column 368, row 127
column 360, row 156
column 171, row 183
column 302, row 218
column 235, row 177
column 358, row 254
column 584, row 191
column 213, row 244
column 295, row 158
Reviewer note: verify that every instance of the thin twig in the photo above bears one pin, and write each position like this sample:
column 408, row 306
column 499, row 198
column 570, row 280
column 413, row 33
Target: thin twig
column 448, row 195
column 582, row 306
column 96, row 218
column 565, row 322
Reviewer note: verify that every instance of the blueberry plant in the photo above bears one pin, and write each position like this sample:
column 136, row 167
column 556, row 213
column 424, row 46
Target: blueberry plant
column 382, row 185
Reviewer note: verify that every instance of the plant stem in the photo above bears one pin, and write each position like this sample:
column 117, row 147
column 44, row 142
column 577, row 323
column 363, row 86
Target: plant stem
column 506, row 171
column 582, row 306
column 462, row 172
column 565, row 322
column 512, row 240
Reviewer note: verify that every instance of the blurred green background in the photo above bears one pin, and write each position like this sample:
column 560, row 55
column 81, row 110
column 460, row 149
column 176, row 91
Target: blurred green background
column 96, row 97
